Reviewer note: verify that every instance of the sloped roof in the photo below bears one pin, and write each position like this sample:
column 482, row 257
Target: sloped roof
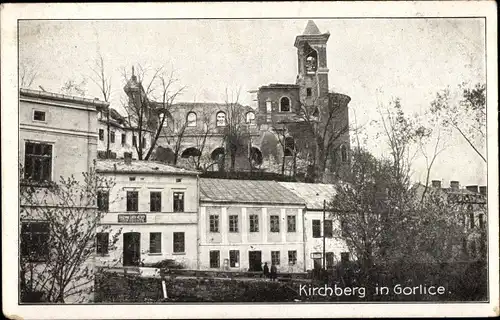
column 139, row 166
column 311, row 28
column 312, row 193
column 246, row 191
column 61, row 97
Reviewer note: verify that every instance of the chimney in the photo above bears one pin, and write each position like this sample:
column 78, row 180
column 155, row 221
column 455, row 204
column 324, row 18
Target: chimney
column 472, row 188
column 454, row 185
column 436, row 184
column 128, row 158
column 483, row 190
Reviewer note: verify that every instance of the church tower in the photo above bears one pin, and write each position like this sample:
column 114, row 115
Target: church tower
column 312, row 75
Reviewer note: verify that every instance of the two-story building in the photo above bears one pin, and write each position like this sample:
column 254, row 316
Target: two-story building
column 246, row 223
column 152, row 211
column 324, row 245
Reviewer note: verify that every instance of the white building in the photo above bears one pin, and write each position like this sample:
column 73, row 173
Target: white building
column 336, row 250
column 155, row 206
column 57, row 138
column 117, row 133
column 245, row 223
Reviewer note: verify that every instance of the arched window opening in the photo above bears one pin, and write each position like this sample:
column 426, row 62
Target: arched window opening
column 255, row 156
column 191, row 152
column 221, row 119
column 191, row 119
column 343, row 153
column 311, row 57
column 285, row 104
column 217, row 154
column 250, row 117
column 289, row 146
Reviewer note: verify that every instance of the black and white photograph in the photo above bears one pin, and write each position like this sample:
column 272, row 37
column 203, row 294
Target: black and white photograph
column 194, row 156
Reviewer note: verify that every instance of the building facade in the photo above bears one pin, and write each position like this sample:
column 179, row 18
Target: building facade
column 116, row 137
column 246, row 223
column 322, row 233
column 57, row 138
column 151, row 212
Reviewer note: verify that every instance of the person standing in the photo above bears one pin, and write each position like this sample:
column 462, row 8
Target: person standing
column 266, row 270
column 274, row 272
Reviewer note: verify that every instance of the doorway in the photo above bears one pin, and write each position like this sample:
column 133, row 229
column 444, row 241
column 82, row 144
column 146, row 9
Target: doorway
column 131, row 248
column 254, row 261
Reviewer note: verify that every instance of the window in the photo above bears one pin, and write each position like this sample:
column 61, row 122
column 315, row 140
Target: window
column 285, row 104
column 233, row 223
column 250, row 118
column 131, row 178
column 134, row 141
column 101, row 134
column 481, row 221
column 214, row 223
column 275, row 258
column 291, row 223
column 328, row 228
column 155, row 201
column 179, row 242
column 275, row 223
column 214, row 259
column 343, row 226
column 471, row 219
column 102, row 239
column 191, row 119
column 127, row 155
column 309, row 92
column 35, row 241
column 234, row 258
column 124, row 139
column 316, row 226
column 289, row 146
column 343, row 153
column 178, row 201
column 155, row 242
column 143, row 142
column 292, row 257
column 112, row 137
column 221, row 119
column 329, row 259
column 38, row 161
column 344, row 256
column 132, row 200
column 178, row 180
column 103, row 200
column 38, row 115
column 254, row 223
column 269, row 106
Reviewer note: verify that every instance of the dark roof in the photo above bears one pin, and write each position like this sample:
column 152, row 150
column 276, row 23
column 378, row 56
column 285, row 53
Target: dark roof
column 139, row 166
column 312, row 193
column 62, row 97
column 280, row 85
column 246, row 191
column 311, row 28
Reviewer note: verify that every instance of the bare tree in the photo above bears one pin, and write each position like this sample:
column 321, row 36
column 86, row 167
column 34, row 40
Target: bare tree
column 464, row 110
column 234, row 132
column 325, row 125
column 149, row 103
column 73, row 87
column 28, row 73
column 59, row 223
column 103, row 81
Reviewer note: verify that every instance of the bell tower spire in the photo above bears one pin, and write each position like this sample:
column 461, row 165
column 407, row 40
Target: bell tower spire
column 312, row 67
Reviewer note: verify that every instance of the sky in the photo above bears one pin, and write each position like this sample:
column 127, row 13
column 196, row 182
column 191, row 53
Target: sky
column 371, row 60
